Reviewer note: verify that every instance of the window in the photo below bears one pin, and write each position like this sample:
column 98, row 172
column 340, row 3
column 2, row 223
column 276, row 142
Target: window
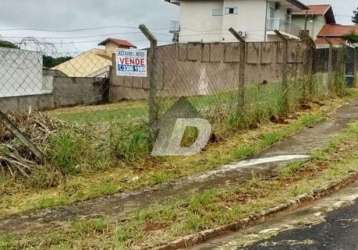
column 231, row 11
column 217, row 12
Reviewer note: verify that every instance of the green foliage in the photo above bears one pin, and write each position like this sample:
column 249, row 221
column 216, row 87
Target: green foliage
column 73, row 152
column 50, row 62
column 98, row 225
column 261, row 102
column 65, row 152
column 291, row 169
column 190, row 136
column 130, row 142
column 244, row 151
column 271, row 138
column 7, row 44
column 355, row 16
column 352, row 38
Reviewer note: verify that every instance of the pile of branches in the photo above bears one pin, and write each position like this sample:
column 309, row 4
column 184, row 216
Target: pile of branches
column 17, row 159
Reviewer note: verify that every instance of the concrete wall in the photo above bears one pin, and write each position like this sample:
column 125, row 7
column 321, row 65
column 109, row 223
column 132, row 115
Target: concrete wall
column 203, row 69
column 20, row 73
column 66, row 92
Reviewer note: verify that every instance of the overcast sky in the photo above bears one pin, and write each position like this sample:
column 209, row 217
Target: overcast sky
column 123, row 15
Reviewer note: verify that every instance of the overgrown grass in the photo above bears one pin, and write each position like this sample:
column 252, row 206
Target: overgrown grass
column 175, row 217
column 109, row 152
column 143, row 173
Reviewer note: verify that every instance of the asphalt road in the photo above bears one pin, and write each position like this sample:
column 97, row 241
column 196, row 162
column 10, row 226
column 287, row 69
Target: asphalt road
column 330, row 223
column 339, row 232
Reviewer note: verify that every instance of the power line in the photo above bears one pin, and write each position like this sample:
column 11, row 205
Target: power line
column 74, row 30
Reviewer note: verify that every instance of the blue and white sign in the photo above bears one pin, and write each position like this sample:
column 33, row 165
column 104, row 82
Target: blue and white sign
column 131, row 62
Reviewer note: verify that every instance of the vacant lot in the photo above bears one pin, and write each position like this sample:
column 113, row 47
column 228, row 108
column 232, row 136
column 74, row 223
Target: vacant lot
column 100, row 150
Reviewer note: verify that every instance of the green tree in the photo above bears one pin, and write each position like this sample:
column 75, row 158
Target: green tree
column 50, row 62
column 7, row 44
column 352, row 38
column 355, row 16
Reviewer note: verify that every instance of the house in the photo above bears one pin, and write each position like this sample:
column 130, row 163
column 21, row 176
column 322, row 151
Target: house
column 256, row 20
column 320, row 21
column 314, row 19
column 334, row 34
column 95, row 62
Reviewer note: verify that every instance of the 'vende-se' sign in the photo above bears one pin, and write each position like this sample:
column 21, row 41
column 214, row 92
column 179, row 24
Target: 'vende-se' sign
column 131, row 62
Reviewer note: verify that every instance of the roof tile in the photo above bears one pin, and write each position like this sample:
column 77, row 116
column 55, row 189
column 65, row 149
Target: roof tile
column 337, row 30
column 119, row 42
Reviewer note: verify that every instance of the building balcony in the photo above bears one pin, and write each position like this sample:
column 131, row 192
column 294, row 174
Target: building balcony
column 282, row 25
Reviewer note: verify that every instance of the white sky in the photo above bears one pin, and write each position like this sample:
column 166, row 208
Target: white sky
column 123, row 16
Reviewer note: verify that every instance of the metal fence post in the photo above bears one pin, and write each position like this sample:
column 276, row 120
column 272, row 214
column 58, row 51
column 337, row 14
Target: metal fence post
column 355, row 67
column 330, row 65
column 153, row 107
column 285, row 107
column 309, row 62
column 242, row 68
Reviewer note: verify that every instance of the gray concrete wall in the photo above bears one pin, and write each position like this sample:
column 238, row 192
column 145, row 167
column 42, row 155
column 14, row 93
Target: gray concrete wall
column 66, row 92
column 203, row 69
column 78, row 91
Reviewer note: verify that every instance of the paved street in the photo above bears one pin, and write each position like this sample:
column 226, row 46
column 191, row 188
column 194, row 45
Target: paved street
column 340, row 231
column 331, row 223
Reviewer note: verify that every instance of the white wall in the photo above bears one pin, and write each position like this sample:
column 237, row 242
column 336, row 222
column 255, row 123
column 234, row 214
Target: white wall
column 251, row 19
column 198, row 23
column 21, row 73
column 314, row 25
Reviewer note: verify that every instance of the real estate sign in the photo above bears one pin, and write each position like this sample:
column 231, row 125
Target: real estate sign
column 131, row 62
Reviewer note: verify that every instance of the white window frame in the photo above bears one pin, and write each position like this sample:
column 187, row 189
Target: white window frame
column 228, row 9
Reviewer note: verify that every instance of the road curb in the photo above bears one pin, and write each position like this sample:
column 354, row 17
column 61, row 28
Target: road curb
column 201, row 237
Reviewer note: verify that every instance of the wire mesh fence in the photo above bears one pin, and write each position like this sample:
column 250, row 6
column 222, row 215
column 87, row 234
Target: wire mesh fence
column 275, row 82
column 232, row 86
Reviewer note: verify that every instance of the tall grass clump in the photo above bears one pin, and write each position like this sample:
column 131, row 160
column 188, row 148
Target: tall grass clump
column 262, row 101
column 72, row 152
column 130, row 142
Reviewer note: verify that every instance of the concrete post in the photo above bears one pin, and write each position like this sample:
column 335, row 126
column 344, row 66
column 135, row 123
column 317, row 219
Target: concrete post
column 242, row 69
column 285, row 107
column 153, row 106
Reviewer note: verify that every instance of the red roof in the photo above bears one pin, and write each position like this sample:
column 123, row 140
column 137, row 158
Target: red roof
column 337, row 30
column 317, row 9
column 118, row 42
column 335, row 33
column 333, row 40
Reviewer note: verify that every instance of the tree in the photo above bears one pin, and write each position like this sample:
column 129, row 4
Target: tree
column 352, row 38
column 7, row 44
column 50, row 62
column 355, row 16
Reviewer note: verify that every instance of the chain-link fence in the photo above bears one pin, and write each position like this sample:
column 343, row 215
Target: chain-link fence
column 232, row 85
column 234, row 91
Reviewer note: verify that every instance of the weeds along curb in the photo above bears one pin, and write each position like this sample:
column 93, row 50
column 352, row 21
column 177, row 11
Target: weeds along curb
column 202, row 237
